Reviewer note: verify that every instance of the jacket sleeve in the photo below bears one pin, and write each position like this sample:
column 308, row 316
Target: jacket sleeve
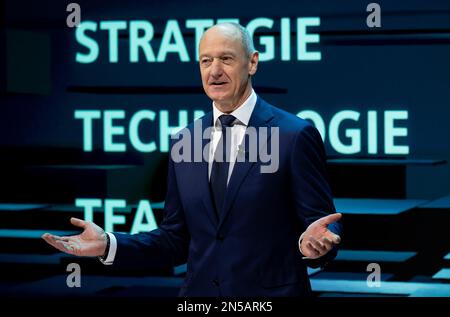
column 166, row 246
column 311, row 190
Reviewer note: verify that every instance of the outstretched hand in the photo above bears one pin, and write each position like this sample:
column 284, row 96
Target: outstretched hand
column 317, row 239
column 91, row 242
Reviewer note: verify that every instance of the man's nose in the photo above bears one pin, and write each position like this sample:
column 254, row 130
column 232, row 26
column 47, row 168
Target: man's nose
column 216, row 68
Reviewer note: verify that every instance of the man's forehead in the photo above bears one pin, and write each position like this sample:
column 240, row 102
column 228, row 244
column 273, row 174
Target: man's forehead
column 220, row 33
column 220, row 45
column 223, row 39
column 219, row 52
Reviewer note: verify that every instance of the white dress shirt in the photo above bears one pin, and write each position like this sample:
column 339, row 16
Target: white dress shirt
column 242, row 115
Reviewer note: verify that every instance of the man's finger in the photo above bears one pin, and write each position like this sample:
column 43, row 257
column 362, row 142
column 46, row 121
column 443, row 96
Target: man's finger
column 318, row 245
column 331, row 218
column 334, row 238
column 46, row 237
column 50, row 237
column 57, row 246
column 56, row 243
column 312, row 249
column 78, row 222
column 76, row 248
column 328, row 243
column 64, row 247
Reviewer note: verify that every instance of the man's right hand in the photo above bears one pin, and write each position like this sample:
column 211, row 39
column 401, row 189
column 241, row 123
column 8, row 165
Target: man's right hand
column 91, row 242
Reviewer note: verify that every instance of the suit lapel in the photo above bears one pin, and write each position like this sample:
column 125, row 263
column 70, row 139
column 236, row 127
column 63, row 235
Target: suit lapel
column 260, row 117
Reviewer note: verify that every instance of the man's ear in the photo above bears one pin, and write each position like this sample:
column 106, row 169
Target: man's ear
column 253, row 63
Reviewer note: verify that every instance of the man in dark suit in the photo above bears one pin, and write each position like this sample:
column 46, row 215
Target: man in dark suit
column 243, row 230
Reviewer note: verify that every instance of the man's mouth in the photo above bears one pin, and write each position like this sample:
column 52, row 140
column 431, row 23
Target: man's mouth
column 218, row 83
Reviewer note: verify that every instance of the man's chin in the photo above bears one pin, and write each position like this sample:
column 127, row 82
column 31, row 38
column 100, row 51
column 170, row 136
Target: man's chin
column 218, row 97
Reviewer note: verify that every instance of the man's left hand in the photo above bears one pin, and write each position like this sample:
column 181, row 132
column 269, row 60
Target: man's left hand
column 317, row 240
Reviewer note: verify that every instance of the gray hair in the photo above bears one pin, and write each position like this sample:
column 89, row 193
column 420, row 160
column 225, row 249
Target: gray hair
column 244, row 35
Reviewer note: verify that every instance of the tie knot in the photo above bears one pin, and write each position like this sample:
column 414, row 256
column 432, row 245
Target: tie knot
column 226, row 120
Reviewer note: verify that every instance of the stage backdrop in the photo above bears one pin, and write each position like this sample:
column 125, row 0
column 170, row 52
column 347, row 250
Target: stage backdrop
column 87, row 111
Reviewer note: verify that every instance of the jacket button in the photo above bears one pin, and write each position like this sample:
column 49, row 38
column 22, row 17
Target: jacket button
column 215, row 282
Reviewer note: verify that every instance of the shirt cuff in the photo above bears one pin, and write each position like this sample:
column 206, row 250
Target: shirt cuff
column 112, row 250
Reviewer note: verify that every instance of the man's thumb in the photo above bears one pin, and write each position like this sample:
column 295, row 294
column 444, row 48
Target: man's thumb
column 331, row 218
column 78, row 222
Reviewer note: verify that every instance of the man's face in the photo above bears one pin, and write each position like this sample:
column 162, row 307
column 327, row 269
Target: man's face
column 225, row 68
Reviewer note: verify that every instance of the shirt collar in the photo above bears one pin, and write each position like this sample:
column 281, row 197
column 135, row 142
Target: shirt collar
column 241, row 113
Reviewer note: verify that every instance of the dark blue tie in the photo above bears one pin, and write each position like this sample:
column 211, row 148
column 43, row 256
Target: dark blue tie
column 221, row 163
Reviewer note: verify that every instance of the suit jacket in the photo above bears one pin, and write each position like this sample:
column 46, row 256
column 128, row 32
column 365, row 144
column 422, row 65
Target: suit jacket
column 251, row 248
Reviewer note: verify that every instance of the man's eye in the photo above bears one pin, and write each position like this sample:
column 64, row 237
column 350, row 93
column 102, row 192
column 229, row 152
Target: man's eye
column 227, row 59
column 205, row 61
